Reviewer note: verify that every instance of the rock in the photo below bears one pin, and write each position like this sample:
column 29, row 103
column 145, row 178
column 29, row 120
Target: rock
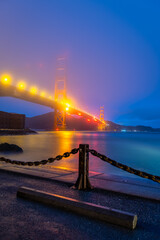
column 6, row 147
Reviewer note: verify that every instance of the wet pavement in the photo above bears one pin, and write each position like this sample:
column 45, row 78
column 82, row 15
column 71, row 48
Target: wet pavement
column 23, row 219
column 135, row 186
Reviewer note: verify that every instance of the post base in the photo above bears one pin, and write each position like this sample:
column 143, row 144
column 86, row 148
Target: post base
column 83, row 183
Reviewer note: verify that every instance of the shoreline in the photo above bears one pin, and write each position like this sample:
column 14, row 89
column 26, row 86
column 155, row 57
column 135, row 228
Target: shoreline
column 4, row 132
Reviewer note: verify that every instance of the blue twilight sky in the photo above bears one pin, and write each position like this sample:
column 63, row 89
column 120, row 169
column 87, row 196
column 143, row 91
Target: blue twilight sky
column 112, row 50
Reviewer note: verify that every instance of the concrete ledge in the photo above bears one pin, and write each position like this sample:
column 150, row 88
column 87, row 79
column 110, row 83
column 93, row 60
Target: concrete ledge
column 35, row 175
column 109, row 215
column 141, row 188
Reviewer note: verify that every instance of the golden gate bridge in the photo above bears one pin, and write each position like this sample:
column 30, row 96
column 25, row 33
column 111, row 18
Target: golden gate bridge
column 59, row 102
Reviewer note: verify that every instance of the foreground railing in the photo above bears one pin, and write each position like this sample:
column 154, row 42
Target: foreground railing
column 83, row 182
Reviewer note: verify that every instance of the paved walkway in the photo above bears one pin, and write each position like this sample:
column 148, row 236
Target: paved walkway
column 131, row 186
column 21, row 219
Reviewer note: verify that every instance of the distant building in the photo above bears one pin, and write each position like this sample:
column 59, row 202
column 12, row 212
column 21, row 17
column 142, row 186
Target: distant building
column 12, row 120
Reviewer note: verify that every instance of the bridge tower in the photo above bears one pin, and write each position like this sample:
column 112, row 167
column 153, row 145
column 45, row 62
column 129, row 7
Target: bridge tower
column 102, row 125
column 60, row 94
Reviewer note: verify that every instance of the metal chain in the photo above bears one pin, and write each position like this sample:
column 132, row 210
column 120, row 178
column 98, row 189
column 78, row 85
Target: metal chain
column 125, row 167
column 94, row 153
column 42, row 162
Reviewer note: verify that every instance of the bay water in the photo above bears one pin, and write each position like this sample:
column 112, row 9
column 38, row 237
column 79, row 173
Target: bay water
column 137, row 150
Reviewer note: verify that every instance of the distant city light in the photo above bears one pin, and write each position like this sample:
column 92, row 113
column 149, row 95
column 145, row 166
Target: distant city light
column 88, row 120
column 21, row 85
column 79, row 114
column 50, row 97
column 33, row 90
column 6, row 79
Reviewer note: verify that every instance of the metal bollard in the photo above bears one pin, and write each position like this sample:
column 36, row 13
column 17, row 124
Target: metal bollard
column 83, row 182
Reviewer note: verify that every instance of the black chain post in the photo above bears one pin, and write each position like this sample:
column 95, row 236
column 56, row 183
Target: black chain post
column 83, row 182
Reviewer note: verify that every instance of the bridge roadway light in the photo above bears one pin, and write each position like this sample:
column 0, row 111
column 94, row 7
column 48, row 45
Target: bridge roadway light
column 6, row 79
column 67, row 104
column 95, row 119
column 42, row 94
column 21, row 85
column 33, row 90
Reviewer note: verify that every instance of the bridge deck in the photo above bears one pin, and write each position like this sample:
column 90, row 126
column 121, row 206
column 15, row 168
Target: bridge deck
column 12, row 91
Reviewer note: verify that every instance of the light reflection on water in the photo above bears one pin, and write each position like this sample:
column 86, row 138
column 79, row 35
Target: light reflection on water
column 138, row 150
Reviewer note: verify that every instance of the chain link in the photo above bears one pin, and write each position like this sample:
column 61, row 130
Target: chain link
column 125, row 167
column 42, row 162
column 94, row 153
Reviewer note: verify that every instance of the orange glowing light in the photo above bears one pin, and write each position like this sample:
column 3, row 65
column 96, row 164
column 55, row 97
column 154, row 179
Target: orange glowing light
column 6, row 79
column 21, row 85
column 79, row 114
column 67, row 104
column 67, row 108
column 42, row 94
column 33, row 90
column 50, row 97
column 88, row 120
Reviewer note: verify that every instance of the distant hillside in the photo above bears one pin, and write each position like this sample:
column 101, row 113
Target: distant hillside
column 116, row 127
column 46, row 122
column 41, row 122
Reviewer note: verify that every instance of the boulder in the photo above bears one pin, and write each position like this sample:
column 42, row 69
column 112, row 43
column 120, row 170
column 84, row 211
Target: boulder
column 6, row 147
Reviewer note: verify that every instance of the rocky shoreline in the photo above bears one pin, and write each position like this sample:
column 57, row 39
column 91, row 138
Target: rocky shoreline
column 8, row 148
column 16, row 132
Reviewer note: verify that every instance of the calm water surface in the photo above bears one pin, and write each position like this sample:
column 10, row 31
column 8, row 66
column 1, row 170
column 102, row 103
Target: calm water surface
column 138, row 150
